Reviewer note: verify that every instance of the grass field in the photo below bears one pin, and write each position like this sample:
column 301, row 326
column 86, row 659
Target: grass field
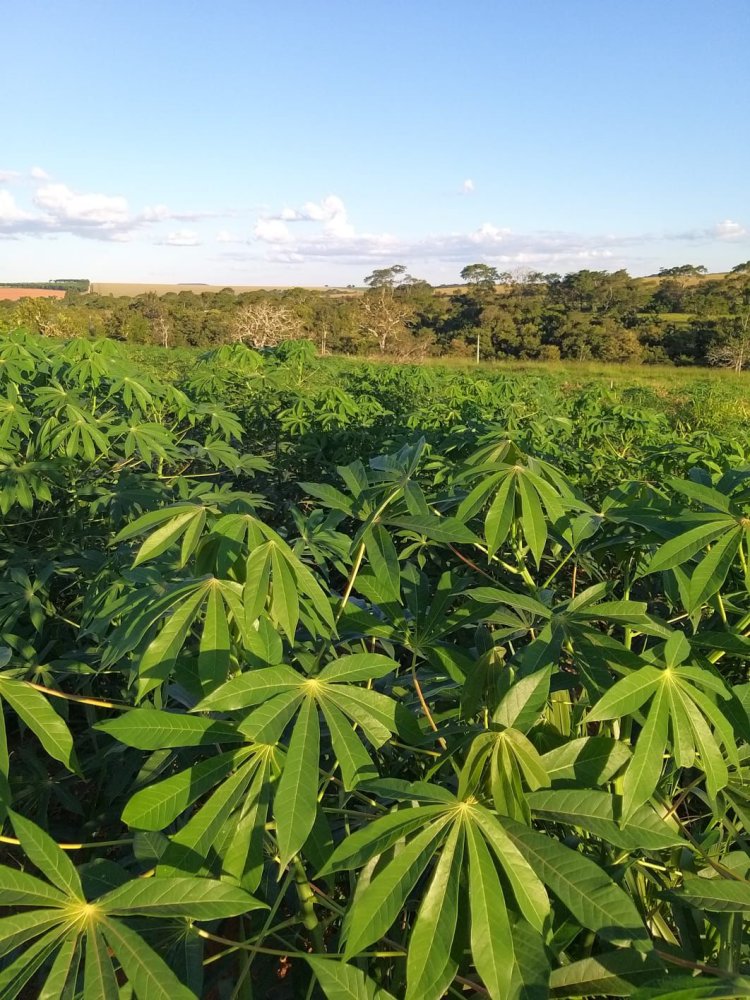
column 118, row 288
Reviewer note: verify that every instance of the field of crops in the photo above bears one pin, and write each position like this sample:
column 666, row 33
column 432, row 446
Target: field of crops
column 117, row 288
column 325, row 679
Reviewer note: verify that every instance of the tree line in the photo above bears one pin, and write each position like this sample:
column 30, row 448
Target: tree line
column 680, row 316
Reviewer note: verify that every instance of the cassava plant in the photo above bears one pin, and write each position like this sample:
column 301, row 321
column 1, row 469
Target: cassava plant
column 322, row 682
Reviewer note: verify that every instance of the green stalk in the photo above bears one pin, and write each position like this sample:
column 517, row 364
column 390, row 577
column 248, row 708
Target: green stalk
column 306, row 898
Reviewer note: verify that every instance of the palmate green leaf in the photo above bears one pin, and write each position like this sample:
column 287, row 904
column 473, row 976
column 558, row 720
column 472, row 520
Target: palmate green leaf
column 683, row 740
column 33, row 708
column 679, row 550
column 99, row 978
column 677, row 700
column 375, row 713
column 706, row 495
column 193, row 898
column 581, row 885
column 358, row 667
column 377, row 906
column 189, row 850
column 159, row 804
column 644, row 770
column 531, row 966
column 15, row 930
column 410, row 791
column 149, row 439
column 383, row 559
column 439, row 529
column 611, row 974
column 354, row 761
column 533, row 520
column 250, row 688
column 58, row 927
column 340, row 981
column 711, row 572
column 301, row 575
column 714, row 766
column 522, row 704
column 529, row 893
column 729, row 642
column 215, row 647
column 491, row 937
column 718, row 895
column 257, row 579
column 676, row 987
column 284, row 600
column 599, row 813
column 151, row 729
column 242, row 852
column 430, row 968
column 267, row 723
column 183, row 519
column 148, row 973
column 16, row 974
column 44, row 853
column 627, row 695
column 475, row 499
column 587, row 761
column 158, row 660
column 19, row 889
column 377, row 837
column 295, row 801
column 60, row 984
column 499, row 516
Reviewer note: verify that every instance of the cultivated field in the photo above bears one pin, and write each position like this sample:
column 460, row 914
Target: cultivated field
column 126, row 289
column 341, row 679
column 15, row 294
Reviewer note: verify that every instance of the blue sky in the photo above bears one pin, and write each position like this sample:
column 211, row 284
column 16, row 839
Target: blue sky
column 309, row 142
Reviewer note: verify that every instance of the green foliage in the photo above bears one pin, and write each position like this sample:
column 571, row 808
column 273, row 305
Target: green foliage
column 681, row 316
column 345, row 681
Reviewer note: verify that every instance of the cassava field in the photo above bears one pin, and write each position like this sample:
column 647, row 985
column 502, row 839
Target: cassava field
column 327, row 679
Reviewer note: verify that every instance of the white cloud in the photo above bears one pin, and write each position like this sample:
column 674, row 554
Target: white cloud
column 331, row 211
column 272, row 231
column 7, row 176
column 156, row 213
column 335, row 240
column 468, row 186
column 10, row 212
column 63, row 205
column 729, row 230
column 182, row 238
column 56, row 208
column 227, row 236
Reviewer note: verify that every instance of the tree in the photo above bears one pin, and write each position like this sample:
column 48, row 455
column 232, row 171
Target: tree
column 731, row 348
column 741, row 268
column 264, row 324
column 480, row 275
column 683, row 271
column 388, row 277
column 384, row 315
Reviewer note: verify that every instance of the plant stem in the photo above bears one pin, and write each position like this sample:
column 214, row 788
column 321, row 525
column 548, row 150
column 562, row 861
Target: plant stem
column 306, row 898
